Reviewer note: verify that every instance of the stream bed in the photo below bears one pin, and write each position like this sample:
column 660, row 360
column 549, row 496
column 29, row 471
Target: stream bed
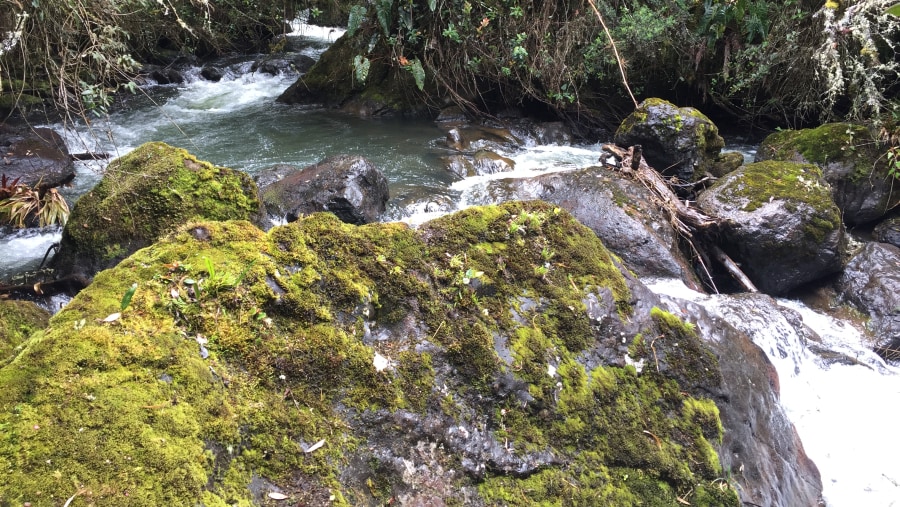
column 843, row 413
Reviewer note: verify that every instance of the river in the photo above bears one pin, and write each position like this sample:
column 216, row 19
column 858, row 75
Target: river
column 843, row 413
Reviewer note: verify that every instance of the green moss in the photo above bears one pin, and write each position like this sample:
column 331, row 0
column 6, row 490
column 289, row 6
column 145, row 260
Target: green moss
column 145, row 195
column 798, row 185
column 828, row 143
column 18, row 321
column 131, row 411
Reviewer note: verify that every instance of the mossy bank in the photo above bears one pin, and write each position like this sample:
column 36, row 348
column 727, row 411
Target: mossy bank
column 478, row 360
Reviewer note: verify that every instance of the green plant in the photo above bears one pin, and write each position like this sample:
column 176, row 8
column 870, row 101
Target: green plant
column 893, row 158
column 19, row 204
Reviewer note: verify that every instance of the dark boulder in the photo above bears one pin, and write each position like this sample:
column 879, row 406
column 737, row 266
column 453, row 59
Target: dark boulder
column 677, row 141
column 871, row 283
column 852, row 160
column 211, row 73
column 348, row 186
column 888, row 232
column 166, row 75
column 781, row 225
column 33, row 155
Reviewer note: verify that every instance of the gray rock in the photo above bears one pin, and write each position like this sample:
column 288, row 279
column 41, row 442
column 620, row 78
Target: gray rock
column 33, row 155
column 871, row 282
column 346, row 185
column 888, row 232
column 781, row 225
column 760, row 446
column 677, row 141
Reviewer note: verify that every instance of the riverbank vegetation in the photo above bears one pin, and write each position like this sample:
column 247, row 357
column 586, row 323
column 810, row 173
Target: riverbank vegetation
column 78, row 53
column 791, row 62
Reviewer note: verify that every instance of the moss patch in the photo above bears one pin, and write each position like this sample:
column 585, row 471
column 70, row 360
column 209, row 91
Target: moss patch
column 146, row 194
column 18, row 320
column 247, row 362
column 799, row 185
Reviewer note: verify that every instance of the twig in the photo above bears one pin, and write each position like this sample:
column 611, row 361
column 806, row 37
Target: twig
column 616, row 51
column 733, row 268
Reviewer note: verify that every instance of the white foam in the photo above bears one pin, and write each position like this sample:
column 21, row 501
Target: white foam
column 845, row 414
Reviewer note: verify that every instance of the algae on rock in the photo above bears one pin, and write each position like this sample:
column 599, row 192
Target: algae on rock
column 353, row 365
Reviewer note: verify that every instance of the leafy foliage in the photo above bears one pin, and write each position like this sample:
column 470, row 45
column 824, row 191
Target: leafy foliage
column 79, row 52
column 19, row 204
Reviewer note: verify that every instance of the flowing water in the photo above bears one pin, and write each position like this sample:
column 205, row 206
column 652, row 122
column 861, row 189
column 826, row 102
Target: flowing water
column 843, row 413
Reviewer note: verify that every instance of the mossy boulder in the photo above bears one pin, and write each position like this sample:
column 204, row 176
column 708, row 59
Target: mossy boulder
column 677, row 141
column 144, row 195
column 852, row 160
column 18, row 320
column 332, row 82
column 490, row 357
column 781, row 223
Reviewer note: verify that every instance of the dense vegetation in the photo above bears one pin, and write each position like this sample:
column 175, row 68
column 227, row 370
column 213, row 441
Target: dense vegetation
column 78, row 52
column 792, row 61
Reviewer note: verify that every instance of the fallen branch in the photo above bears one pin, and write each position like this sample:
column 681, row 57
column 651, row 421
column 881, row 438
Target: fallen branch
column 733, row 269
column 686, row 220
column 91, row 155
column 69, row 284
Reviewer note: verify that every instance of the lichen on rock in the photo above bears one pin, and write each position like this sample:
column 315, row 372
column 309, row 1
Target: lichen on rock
column 352, row 365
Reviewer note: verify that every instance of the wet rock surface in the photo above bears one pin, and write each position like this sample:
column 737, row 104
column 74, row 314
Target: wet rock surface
column 888, row 232
column 871, row 282
column 349, row 186
column 33, row 155
column 781, row 224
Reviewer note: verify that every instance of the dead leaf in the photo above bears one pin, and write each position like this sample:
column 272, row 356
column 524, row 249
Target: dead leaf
column 316, row 446
column 274, row 495
column 112, row 317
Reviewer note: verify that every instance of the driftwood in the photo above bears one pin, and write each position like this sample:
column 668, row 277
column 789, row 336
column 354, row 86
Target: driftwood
column 91, row 155
column 686, row 220
column 70, row 284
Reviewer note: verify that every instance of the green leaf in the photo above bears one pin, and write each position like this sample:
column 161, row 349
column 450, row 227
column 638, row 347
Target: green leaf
column 893, row 10
column 432, row 4
column 415, row 66
column 383, row 10
column 357, row 16
column 126, row 299
column 361, row 68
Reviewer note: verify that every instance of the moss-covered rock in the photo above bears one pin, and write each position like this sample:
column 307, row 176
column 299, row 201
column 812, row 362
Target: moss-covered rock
column 18, row 320
column 332, row 82
column 677, row 141
column 354, row 365
column 852, row 160
column 144, row 195
column 781, row 223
